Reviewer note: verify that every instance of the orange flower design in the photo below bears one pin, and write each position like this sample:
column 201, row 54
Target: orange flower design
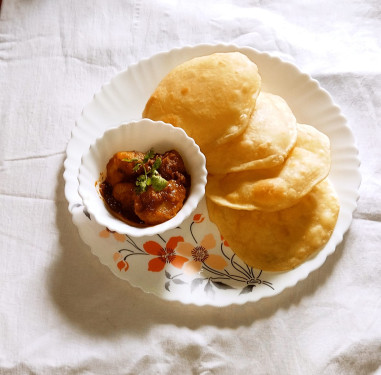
column 121, row 263
column 164, row 255
column 200, row 255
column 224, row 241
column 117, row 256
column 105, row 233
column 198, row 218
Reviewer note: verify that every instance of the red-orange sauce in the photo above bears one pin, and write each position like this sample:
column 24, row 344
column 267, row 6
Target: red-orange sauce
column 150, row 207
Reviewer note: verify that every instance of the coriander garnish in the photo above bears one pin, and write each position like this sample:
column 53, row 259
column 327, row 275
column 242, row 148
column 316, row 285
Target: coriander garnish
column 148, row 178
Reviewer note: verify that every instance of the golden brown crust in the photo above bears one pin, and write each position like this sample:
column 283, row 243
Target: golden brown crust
column 211, row 97
column 279, row 187
column 265, row 143
column 280, row 240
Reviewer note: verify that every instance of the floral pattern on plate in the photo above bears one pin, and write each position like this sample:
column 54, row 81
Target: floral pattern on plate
column 197, row 271
column 210, row 263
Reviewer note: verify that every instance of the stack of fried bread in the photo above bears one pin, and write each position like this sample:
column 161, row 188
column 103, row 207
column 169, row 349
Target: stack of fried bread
column 267, row 189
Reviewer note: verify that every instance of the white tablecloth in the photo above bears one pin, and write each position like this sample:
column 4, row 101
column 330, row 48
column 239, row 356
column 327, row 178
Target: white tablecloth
column 61, row 311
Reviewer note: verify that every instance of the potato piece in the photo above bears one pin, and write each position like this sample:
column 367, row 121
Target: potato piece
column 124, row 193
column 156, row 207
column 119, row 170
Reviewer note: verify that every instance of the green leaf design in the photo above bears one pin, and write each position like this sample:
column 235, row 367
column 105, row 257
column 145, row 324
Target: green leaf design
column 178, row 281
column 196, row 283
column 167, row 285
column 221, row 285
column 209, row 289
column 247, row 289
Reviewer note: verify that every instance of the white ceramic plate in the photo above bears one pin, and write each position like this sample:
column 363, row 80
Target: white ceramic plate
column 220, row 278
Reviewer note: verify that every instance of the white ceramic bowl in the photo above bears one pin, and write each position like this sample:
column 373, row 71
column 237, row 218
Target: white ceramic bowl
column 140, row 135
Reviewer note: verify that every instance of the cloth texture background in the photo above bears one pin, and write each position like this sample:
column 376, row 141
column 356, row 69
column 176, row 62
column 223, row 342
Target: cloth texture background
column 61, row 311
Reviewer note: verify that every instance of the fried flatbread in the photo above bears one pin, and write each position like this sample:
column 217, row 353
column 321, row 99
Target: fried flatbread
column 265, row 143
column 281, row 240
column 211, row 97
column 279, row 187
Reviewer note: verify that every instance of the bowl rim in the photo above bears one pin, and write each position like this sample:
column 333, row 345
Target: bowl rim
column 197, row 190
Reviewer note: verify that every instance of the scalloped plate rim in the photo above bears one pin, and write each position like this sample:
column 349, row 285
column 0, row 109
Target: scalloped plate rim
column 346, row 220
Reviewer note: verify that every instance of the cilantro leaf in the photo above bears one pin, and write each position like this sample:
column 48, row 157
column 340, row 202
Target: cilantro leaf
column 158, row 183
column 149, row 155
column 148, row 178
column 156, row 165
